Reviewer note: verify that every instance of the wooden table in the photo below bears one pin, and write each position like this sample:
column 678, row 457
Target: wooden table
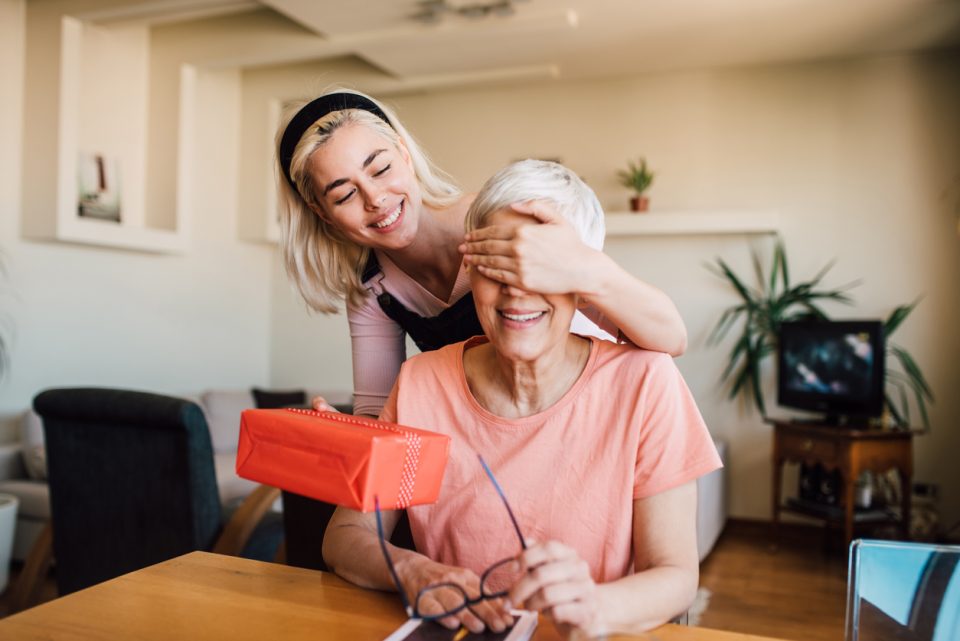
column 849, row 450
column 209, row 596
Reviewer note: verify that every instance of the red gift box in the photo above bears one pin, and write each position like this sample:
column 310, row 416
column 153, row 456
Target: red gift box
column 342, row 459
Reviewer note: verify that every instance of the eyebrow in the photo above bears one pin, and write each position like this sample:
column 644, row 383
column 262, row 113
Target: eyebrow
column 366, row 163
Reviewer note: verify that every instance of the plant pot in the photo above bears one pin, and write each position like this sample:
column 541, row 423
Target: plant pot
column 639, row 203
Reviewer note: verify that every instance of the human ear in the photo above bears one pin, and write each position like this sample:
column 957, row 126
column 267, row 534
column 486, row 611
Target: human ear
column 404, row 152
column 320, row 212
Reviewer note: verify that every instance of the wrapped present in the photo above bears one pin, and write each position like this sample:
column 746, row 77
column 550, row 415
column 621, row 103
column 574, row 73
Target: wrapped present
column 342, row 459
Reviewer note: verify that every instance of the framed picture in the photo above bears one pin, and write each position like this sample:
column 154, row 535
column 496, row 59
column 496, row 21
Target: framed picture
column 98, row 178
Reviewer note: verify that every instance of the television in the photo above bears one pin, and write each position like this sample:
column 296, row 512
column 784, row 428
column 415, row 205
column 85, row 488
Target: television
column 832, row 367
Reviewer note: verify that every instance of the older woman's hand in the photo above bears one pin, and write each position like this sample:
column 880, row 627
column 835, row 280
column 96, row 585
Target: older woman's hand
column 557, row 581
column 421, row 572
column 548, row 259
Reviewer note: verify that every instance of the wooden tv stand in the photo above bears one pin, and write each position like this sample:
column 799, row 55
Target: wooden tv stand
column 849, row 449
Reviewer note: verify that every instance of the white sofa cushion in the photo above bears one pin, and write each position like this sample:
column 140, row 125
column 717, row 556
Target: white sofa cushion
column 31, row 439
column 34, row 497
column 222, row 409
column 230, row 486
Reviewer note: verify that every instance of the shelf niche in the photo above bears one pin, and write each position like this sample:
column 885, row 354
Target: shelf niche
column 692, row 223
column 104, row 94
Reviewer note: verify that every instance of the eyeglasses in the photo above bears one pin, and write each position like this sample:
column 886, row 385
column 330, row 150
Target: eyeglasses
column 492, row 581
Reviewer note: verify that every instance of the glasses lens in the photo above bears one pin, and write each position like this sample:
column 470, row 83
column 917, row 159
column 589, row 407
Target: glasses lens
column 440, row 600
column 499, row 578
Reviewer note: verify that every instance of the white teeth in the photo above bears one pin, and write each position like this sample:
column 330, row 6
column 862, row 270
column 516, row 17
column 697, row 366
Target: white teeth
column 389, row 220
column 522, row 317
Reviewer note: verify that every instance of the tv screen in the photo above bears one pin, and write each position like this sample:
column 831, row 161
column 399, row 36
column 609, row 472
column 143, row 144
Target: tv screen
column 833, row 367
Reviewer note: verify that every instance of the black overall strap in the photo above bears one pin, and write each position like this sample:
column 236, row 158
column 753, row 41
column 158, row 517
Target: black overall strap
column 454, row 324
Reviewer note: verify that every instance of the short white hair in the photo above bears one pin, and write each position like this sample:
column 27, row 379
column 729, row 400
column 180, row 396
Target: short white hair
column 541, row 180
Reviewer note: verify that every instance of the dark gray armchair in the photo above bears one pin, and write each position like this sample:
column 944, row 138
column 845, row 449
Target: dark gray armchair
column 132, row 483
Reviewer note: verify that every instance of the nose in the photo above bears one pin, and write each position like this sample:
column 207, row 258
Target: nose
column 513, row 291
column 373, row 197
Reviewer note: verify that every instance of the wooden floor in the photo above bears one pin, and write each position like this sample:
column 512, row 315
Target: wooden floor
column 797, row 591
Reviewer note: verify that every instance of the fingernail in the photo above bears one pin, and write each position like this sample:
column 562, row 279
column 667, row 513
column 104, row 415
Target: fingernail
column 498, row 626
column 507, row 604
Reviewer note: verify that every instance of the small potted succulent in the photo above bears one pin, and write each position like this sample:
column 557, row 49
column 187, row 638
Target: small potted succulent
column 638, row 178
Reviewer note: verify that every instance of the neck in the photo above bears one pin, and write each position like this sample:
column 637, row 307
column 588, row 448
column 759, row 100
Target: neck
column 516, row 389
column 432, row 258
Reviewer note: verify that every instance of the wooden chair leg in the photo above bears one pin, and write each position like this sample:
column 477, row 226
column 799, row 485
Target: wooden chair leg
column 34, row 572
column 281, row 555
column 241, row 525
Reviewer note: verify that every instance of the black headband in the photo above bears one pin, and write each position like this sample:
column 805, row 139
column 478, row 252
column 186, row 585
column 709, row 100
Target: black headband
column 314, row 111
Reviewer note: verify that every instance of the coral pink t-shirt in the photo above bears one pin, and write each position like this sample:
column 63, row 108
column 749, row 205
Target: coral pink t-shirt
column 627, row 429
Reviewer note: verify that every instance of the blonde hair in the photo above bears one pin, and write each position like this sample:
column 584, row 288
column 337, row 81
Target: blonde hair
column 321, row 262
column 541, row 180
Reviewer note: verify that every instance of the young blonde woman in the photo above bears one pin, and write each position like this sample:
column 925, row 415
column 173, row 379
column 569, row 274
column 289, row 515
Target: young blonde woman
column 367, row 218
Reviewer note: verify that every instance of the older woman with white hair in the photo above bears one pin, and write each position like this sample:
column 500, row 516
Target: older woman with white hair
column 597, row 446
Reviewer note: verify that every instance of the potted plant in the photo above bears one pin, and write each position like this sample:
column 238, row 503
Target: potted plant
column 775, row 301
column 638, row 178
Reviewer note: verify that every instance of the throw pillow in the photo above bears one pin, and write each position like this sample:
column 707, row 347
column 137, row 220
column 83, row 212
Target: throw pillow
column 275, row 399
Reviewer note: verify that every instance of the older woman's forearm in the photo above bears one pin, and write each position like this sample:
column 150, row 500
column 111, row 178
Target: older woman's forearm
column 643, row 601
column 644, row 314
column 352, row 551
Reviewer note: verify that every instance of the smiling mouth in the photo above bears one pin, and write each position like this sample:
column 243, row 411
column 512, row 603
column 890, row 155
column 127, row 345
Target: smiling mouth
column 389, row 220
column 520, row 318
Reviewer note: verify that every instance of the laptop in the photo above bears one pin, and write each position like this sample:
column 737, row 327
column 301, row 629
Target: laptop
column 898, row 591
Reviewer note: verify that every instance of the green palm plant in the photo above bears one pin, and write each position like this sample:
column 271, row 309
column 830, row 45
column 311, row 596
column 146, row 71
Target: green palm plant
column 907, row 377
column 763, row 308
column 775, row 301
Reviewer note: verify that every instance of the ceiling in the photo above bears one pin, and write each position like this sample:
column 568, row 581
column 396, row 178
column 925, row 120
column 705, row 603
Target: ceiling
column 558, row 38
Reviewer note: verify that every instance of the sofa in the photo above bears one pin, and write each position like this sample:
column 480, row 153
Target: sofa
column 23, row 463
column 23, row 466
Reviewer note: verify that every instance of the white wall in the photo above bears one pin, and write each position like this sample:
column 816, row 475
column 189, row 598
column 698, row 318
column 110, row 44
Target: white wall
column 861, row 157
column 164, row 323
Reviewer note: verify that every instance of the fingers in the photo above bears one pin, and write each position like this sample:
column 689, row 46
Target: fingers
column 320, row 404
column 497, row 262
column 539, row 209
column 558, row 581
column 551, row 596
column 499, row 246
column 477, row 617
column 493, row 613
column 438, row 589
column 502, row 276
column 551, row 551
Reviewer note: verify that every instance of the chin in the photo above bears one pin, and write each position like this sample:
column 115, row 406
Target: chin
column 519, row 352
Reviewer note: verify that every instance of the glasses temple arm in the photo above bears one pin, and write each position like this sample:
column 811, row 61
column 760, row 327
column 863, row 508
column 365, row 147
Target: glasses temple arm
column 506, row 504
column 386, row 556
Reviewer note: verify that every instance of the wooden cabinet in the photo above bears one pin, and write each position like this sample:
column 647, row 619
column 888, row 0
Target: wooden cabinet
column 850, row 451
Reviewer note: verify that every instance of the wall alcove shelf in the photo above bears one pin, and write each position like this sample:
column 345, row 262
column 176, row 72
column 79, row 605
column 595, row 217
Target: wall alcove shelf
column 678, row 223
column 139, row 118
